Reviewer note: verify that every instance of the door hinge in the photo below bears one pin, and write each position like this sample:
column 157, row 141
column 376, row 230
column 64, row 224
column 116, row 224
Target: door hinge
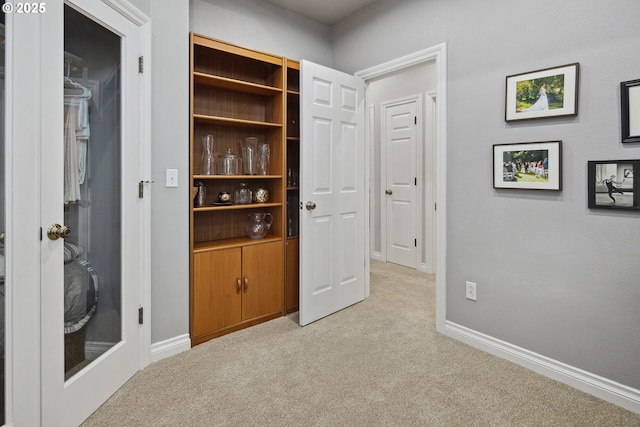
column 140, row 315
column 415, row 242
column 40, row 234
column 415, row 120
column 141, row 188
column 140, row 64
column 435, row 206
column 415, row 181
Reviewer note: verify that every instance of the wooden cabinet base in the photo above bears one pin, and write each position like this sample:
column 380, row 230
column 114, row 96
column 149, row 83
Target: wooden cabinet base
column 204, row 338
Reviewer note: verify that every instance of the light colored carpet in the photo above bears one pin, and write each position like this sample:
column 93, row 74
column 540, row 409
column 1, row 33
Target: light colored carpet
column 377, row 363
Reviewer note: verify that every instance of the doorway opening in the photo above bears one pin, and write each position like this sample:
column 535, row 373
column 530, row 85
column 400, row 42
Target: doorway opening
column 436, row 108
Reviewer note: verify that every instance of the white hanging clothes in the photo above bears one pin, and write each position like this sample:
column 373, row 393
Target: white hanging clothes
column 78, row 105
column 71, row 169
column 83, row 132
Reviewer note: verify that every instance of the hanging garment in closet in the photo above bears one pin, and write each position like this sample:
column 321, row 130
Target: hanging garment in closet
column 82, row 136
column 71, row 165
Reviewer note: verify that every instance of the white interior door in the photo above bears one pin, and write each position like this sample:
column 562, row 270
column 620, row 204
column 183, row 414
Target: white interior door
column 93, row 261
column 332, row 239
column 400, row 141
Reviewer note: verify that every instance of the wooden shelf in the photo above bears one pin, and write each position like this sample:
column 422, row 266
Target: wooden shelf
column 234, row 122
column 234, row 85
column 214, row 208
column 239, row 177
column 232, row 243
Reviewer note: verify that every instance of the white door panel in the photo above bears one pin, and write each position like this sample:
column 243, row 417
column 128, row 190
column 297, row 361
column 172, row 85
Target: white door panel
column 332, row 265
column 400, row 140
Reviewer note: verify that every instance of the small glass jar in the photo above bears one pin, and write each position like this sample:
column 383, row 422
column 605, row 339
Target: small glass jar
column 228, row 163
column 243, row 195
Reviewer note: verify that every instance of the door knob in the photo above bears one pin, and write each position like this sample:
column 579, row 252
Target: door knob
column 389, row 192
column 57, row 231
column 311, row 206
column 2, row 237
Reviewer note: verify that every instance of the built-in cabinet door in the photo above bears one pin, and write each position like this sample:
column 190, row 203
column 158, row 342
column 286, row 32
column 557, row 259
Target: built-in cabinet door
column 236, row 285
column 262, row 273
column 217, row 290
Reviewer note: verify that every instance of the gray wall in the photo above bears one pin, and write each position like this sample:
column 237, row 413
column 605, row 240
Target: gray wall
column 553, row 276
column 261, row 26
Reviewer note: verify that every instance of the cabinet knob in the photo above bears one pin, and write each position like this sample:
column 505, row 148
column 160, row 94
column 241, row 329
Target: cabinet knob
column 238, row 285
column 246, row 284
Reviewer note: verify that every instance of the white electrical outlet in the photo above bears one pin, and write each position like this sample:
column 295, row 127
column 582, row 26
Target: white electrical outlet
column 471, row 291
column 172, row 177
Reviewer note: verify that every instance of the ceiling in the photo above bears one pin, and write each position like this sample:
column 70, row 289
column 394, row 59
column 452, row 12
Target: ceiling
column 328, row 12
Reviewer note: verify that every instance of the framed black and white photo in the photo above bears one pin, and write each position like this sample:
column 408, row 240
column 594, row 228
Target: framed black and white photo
column 551, row 92
column 630, row 109
column 528, row 165
column 611, row 184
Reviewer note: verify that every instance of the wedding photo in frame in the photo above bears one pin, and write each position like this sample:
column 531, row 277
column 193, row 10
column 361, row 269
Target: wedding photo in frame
column 551, row 92
column 612, row 185
column 528, row 165
column 630, row 109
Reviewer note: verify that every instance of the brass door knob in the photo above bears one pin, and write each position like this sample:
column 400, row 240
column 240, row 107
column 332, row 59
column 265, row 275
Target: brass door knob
column 57, row 231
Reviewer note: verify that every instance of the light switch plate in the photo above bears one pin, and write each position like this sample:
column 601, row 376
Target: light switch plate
column 172, row 177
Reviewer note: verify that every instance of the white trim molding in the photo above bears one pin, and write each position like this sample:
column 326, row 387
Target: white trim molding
column 171, row 347
column 129, row 11
column 603, row 388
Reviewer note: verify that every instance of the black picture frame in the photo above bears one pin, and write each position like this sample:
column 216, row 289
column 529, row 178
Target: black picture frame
column 611, row 184
column 528, row 166
column 525, row 92
column 630, row 110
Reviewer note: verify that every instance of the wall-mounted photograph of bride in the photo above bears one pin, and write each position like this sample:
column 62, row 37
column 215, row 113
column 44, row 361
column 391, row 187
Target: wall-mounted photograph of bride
column 550, row 92
column 528, row 165
column 612, row 184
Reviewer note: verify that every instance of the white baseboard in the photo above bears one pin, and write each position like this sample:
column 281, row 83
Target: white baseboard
column 603, row 388
column 377, row 256
column 170, row 347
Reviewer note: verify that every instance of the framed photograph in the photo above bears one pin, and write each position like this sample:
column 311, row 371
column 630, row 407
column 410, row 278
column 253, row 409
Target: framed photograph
column 612, row 186
column 630, row 98
column 552, row 92
column 528, row 165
